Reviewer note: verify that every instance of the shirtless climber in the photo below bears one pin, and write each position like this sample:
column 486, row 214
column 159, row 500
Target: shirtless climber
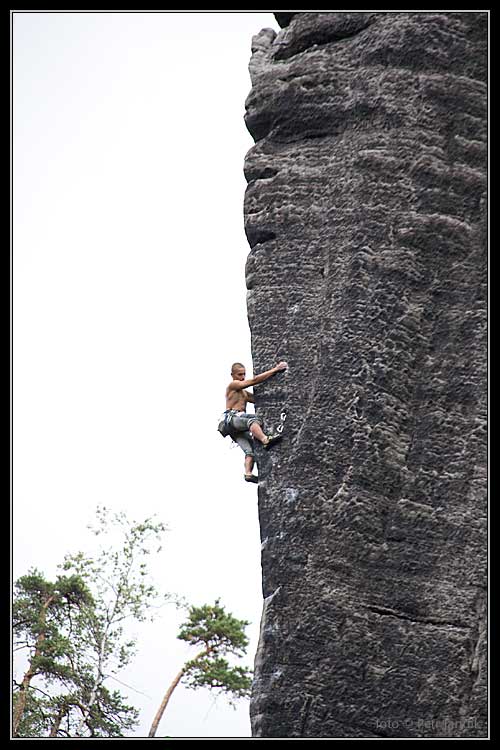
column 244, row 428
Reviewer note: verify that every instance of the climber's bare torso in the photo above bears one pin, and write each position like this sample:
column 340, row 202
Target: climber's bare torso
column 236, row 397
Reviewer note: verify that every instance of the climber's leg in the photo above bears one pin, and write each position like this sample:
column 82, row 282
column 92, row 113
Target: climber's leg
column 252, row 423
column 249, row 463
column 258, row 433
column 272, row 439
column 244, row 440
column 266, row 440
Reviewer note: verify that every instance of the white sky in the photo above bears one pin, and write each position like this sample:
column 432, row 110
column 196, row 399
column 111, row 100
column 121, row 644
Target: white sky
column 128, row 149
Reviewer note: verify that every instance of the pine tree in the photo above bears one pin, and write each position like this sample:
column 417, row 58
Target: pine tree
column 218, row 634
column 40, row 612
column 74, row 636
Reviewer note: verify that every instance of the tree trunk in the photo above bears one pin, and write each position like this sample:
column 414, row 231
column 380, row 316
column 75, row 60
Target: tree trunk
column 23, row 692
column 93, row 695
column 57, row 721
column 166, row 698
column 163, row 704
column 21, row 703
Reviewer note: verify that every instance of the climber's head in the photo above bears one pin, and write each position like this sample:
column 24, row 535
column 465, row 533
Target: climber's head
column 238, row 371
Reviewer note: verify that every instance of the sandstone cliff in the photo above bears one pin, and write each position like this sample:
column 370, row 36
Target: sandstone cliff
column 365, row 215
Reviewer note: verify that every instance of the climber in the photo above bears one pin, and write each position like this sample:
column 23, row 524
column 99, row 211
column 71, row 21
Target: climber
column 243, row 428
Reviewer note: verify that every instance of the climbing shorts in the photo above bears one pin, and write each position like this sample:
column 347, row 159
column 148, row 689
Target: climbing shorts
column 241, row 421
column 240, row 430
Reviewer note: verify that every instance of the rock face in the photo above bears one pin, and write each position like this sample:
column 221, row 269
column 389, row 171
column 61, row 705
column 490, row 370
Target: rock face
column 365, row 214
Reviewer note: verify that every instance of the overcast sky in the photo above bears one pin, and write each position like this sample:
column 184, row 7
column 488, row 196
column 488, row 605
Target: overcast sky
column 129, row 306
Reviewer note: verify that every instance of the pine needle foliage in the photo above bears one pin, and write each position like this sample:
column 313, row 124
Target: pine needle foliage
column 73, row 633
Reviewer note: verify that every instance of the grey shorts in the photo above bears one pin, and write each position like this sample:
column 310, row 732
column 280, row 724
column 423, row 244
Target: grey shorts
column 240, row 431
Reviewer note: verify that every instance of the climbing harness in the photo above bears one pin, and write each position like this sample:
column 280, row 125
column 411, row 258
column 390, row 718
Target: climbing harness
column 224, row 426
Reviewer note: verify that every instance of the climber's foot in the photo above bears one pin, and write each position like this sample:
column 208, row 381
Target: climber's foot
column 271, row 439
column 251, row 478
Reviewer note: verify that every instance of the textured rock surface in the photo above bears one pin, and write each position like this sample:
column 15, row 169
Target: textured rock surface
column 365, row 214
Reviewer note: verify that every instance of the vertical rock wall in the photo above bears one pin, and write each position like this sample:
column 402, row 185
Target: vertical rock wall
column 365, row 214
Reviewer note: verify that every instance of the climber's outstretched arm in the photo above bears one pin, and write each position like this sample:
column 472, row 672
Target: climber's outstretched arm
column 238, row 385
